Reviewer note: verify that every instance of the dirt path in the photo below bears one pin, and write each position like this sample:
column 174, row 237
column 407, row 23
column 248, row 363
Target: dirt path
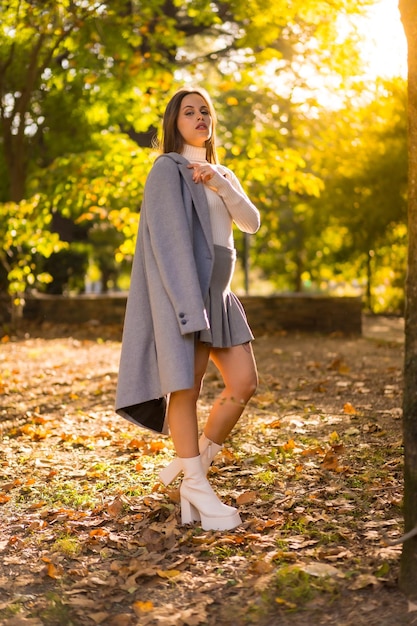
column 383, row 328
column 89, row 536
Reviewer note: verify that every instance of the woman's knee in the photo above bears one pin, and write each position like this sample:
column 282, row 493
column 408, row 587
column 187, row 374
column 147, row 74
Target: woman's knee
column 185, row 396
column 238, row 369
column 242, row 387
column 247, row 376
column 250, row 385
column 253, row 385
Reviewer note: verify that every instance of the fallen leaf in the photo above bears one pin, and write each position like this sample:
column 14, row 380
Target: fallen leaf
column 98, row 532
column 123, row 619
column 313, row 451
column 53, row 571
column 349, row 409
column 157, row 446
column 322, row 570
column 37, row 505
column 136, row 444
column 352, row 431
column 288, row 605
column 247, row 497
column 290, row 445
column 116, row 507
column 169, row 573
column 330, row 461
column 142, row 607
column 261, row 567
column 364, row 580
column 99, row 617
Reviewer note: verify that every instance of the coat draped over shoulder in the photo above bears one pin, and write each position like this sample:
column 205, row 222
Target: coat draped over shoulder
column 170, row 279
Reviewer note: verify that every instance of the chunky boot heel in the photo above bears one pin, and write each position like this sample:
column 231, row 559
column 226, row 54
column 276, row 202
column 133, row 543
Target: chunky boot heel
column 189, row 513
column 208, row 450
column 198, row 500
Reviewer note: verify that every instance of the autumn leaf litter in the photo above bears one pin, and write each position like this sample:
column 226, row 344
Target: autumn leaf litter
column 90, row 536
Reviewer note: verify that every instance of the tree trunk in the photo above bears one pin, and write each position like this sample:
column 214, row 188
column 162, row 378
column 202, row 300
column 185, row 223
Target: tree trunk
column 15, row 159
column 369, row 278
column 408, row 567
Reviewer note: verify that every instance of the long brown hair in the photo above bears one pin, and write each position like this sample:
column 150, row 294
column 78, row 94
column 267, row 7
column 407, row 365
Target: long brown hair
column 172, row 140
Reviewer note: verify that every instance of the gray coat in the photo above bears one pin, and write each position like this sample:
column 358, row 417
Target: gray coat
column 169, row 283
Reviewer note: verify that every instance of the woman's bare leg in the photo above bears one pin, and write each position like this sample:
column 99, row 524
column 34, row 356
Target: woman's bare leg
column 198, row 500
column 238, row 369
column 182, row 408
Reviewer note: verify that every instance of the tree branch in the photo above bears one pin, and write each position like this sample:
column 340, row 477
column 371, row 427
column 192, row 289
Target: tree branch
column 411, row 533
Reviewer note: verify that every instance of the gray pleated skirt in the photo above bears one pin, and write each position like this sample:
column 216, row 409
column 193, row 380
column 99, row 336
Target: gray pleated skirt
column 228, row 323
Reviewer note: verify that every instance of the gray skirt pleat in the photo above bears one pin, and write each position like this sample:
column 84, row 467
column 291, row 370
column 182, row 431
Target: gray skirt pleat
column 228, row 323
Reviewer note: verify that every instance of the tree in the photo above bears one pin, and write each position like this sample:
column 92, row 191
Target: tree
column 361, row 156
column 100, row 196
column 71, row 70
column 23, row 232
column 331, row 184
column 60, row 63
column 408, row 570
column 71, row 66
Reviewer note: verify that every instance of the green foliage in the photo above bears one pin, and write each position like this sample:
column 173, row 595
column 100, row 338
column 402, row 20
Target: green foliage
column 23, row 233
column 83, row 85
column 67, row 268
column 101, row 194
column 390, row 262
column 70, row 68
column 362, row 155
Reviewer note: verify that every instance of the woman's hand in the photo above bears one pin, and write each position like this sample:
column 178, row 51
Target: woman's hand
column 202, row 172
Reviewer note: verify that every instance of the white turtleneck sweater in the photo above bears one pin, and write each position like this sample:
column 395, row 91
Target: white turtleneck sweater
column 227, row 201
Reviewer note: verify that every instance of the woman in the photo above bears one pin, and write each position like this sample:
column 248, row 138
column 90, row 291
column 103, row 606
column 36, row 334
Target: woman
column 181, row 312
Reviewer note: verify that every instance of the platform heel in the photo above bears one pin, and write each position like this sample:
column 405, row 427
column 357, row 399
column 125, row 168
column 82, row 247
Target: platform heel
column 200, row 503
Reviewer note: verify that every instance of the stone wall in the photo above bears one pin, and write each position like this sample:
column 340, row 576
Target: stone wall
column 305, row 313
column 283, row 312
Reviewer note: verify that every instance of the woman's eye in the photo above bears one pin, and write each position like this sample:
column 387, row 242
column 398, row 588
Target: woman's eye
column 190, row 113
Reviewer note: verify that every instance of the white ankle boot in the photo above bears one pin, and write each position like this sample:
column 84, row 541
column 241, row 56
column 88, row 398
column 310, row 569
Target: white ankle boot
column 199, row 502
column 208, row 450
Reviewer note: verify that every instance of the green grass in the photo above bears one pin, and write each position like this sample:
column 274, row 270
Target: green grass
column 267, row 477
column 56, row 613
column 68, row 545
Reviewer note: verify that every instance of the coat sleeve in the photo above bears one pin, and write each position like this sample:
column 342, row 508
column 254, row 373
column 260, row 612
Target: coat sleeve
column 170, row 237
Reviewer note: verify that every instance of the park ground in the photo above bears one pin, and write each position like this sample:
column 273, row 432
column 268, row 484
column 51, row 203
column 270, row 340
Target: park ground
column 89, row 535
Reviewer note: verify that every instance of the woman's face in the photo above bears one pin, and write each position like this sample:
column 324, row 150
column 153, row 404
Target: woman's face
column 194, row 120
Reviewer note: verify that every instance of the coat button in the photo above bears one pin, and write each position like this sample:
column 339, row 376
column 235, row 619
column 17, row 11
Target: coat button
column 181, row 315
column 183, row 322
